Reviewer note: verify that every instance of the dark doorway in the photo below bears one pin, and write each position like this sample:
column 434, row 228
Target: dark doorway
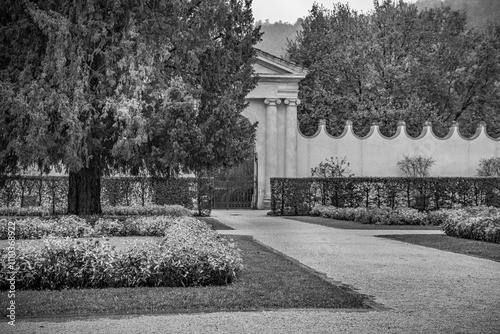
column 234, row 188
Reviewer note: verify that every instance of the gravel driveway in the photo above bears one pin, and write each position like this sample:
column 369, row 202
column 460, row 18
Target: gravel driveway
column 424, row 290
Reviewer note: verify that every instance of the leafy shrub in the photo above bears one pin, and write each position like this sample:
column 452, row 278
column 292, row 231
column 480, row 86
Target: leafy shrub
column 37, row 228
column 148, row 210
column 438, row 217
column 191, row 255
column 478, row 223
column 408, row 216
column 133, row 226
column 75, row 227
column 489, row 167
column 209, row 258
column 379, row 216
column 331, row 168
column 28, row 211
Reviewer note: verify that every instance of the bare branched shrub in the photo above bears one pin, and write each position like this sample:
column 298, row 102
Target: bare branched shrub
column 489, row 167
column 332, row 168
column 416, row 166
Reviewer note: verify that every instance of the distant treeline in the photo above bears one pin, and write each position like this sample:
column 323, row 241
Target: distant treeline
column 397, row 62
column 479, row 12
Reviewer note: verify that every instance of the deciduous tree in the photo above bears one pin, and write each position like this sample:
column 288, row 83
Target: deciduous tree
column 396, row 63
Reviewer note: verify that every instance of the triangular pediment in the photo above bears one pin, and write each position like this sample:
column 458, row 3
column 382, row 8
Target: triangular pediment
column 267, row 64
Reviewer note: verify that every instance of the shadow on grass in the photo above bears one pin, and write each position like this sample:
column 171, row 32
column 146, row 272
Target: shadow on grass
column 350, row 225
column 269, row 280
column 481, row 249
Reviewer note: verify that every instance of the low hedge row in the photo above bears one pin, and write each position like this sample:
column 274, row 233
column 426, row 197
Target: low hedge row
column 146, row 210
column 380, row 216
column 192, row 255
column 76, row 227
column 27, row 211
column 474, row 223
column 477, row 223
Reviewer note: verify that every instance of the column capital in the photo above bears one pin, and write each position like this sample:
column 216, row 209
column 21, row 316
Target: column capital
column 292, row 102
column 272, row 102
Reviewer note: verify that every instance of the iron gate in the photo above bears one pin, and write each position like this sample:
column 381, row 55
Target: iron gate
column 233, row 194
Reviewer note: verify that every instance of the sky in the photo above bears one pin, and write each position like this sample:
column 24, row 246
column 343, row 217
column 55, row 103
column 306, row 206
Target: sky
column 290, row 10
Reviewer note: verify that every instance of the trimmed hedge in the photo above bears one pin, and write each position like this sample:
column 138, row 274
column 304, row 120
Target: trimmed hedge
column 297, row 196
column 192, row 255
column 50, row 193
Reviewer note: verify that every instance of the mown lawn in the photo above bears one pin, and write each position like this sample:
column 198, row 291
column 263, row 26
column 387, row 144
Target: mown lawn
column 481, row 249
column 268, row 281
column 350, row 225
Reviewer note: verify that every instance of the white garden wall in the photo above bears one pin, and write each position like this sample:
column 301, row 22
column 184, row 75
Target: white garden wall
column 376, row 155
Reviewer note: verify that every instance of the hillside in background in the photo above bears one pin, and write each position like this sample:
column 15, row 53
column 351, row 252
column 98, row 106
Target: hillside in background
column 276, row 35
column 479, row 12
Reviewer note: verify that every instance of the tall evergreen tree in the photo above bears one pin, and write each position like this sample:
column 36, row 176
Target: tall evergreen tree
column 94, row 87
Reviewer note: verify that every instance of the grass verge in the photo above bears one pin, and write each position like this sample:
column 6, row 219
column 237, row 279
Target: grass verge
column 481, row 249
column 217, row 225
column 268, row 281
column 350, row 225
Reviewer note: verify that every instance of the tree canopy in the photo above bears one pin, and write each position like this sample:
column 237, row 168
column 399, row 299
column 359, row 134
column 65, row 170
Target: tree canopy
column 479, row 12
column 397, row 63
column 126, row 85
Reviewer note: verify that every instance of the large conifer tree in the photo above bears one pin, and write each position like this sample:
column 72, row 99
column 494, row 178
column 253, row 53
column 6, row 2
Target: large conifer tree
column 98, row 86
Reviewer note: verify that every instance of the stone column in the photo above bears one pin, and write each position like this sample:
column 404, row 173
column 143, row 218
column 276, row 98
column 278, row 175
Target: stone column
column 271, row 162
column 291, row 137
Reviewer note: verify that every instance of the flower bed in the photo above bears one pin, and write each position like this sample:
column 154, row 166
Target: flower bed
column 37, row 228
column 28, row 211
column 147, row 210
column 379, row 216
column 76, row 227
column 478, row 223
column 474, row 223
column 192, row 254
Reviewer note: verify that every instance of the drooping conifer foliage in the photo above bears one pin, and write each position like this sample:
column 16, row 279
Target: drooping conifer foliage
column 99, row 86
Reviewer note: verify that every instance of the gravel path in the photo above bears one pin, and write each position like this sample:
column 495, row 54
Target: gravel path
column 424, row 290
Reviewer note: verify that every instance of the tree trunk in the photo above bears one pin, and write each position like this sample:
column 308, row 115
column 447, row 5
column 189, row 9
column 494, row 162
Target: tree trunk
column 84, row 194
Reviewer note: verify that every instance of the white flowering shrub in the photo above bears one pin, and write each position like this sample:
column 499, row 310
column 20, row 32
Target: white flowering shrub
column 133, row 226
column 478, row 223
column 75, row 227
column 380, row 216
column 147, row 210
column 37, row 228
column 192, row 254
column 27, row 211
